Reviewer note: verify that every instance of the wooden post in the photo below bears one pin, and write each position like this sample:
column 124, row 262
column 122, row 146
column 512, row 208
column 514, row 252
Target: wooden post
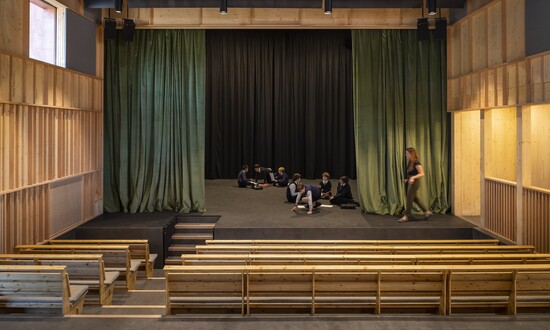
column 519, row 177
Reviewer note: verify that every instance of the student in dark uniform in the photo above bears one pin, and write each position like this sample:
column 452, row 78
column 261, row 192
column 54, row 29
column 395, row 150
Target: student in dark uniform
column 311, row 194
column 325, row 186
column 292, row 188
column 414, row 173
column 242, row 180
column 281, row 178
column 262, row 173
column 343, row 193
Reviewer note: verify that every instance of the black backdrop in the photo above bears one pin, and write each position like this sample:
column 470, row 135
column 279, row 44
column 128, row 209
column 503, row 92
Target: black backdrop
column 279, row 98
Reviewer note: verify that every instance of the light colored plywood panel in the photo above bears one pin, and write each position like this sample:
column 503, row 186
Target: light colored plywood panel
column 512, row 84
column 491, row 88
column 476, row 91
column 456, row 52
column 515, row 29
column 3, row 240
column 49, row 85
column 479, row 41
column 467, row 163
column 522, row 82
column 234, row 17
column 39, row 84
column 526, row 146
column 143, row 16
column 536, row 73
column 500, row 86
column 174, row 16
column 16, row 80
column 65, row 204
column 58, row 87
column 67, row 89
column 5, row 68
column 455, row 94
column 366, row 17
column 467, row 91
column 494, row 34
column 465, row 59
column 28, row 82
column 13, row 26
column 281, row 16
column 546, row 78
column 74, row 5
column 500, row 143
column 539, row 150
column 483, row 89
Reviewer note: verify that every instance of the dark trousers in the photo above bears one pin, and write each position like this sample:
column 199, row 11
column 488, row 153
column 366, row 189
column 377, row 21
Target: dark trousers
column 411, row 197
column 340, row 201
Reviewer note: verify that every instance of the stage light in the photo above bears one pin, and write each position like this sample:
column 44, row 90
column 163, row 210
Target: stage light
column 432, row 7
column 223, row 7
column 118, row 6
column 328, row 7
column 440, row 28
column 423, row 29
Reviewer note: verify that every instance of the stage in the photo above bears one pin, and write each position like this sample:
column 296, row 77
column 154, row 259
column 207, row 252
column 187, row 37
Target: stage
column 245, row 213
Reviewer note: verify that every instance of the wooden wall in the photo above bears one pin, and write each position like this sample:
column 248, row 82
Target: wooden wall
column 489, row 72
column 51, row 139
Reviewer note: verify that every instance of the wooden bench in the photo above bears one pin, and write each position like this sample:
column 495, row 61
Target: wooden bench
column 39, row 289
column 362, row 249
column 83, row 269
column 362, row 259
column 115, row 257
column 444, row 288
column 353, row 242
column 139, row 249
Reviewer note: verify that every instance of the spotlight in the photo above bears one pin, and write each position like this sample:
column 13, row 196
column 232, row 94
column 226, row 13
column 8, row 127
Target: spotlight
column 423, row 29
column 432, row 7
column 328, row 7
column 118, row 6
column 223, row 7
column 440, row 28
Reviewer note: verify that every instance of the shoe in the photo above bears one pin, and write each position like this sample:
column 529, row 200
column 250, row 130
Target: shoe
column 427, row 215
column 403, row 219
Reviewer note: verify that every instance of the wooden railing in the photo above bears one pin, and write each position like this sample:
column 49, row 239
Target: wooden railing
column 500, row 208
column 536, row 218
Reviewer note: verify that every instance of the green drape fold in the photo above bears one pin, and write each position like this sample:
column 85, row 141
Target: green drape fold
column 154, row 122
column 400, row 101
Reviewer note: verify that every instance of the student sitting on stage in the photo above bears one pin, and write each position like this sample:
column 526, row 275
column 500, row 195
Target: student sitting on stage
column 343, row 193
column 325, row 186
column 311, row 196
column 262, row 173
column 292, row 188
column 242, row 180
column 281, row 178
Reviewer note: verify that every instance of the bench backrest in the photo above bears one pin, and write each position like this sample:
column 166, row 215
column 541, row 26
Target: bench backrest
column 44, row 287
column 364, row 249
column 114, row 256
column 353, row 242
column 139, row 248
column 360, row 259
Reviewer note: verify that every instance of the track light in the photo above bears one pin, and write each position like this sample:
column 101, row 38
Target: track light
column 223, row 7
column 432, row 7
column 328, row 7
column 118, row 6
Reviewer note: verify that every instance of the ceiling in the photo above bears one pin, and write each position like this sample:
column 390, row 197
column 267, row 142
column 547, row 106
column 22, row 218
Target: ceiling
column 272, row 3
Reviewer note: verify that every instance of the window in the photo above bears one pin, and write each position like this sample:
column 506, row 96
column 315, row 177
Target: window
column 46, row 31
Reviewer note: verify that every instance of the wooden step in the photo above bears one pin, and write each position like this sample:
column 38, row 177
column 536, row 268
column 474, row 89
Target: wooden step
column 182, row 248
column 195, row 226
column 192, row 236
column 173, row 260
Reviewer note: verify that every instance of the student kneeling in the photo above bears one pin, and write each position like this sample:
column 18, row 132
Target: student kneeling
column 311, row 194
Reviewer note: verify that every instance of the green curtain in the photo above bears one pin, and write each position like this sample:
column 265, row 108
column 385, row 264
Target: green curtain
column 154, row 122
column 400, row 101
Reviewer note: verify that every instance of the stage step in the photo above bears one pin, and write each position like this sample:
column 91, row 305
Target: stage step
column 206, row 226
column 173, row 260
column 198, row 218
column 192, row 236
column 183, row 248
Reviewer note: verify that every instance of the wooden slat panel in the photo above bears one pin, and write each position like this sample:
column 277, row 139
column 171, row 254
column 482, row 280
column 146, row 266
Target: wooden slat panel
column 515, row 29
column 536, row 213
column 501, row 205
column 494, row 34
